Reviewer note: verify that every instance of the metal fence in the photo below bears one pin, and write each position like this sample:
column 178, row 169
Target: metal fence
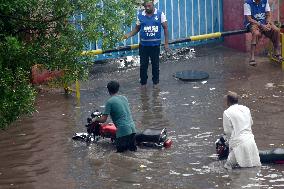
column 185, row 18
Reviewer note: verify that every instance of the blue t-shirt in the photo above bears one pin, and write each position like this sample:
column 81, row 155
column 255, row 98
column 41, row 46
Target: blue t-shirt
column 118, row 109
column 150, row 32
column 257, row 11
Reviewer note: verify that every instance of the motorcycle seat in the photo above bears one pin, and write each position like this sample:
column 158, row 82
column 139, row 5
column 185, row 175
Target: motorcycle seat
column 151, row 135
column 272, row 156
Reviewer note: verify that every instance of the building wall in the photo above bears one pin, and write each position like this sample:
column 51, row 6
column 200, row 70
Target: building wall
column 281, row 12
column 233, row 19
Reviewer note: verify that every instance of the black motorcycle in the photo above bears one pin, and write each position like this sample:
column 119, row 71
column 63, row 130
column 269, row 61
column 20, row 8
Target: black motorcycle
column 275, row 156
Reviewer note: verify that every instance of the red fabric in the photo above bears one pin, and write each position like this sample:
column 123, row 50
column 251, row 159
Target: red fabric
column 40, row 75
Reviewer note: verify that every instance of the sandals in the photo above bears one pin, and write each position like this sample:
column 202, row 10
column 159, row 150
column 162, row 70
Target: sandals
column 252, row 63
column 278, row 57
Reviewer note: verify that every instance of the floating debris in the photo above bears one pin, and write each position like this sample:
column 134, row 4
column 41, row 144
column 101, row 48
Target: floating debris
column 174, row 173
column 272, row 176
column 128, row 61
column 194, row 127
column 269, row 85
column 195, row 163
column 185, row 104
column 225, row 176
column 178, row 54
column 143, row 166
column 245, row 96
column 203, row 135
column 22, row 134
column 187, row 175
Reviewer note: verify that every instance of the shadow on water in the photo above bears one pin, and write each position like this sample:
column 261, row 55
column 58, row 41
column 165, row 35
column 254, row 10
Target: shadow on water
column 37, row 151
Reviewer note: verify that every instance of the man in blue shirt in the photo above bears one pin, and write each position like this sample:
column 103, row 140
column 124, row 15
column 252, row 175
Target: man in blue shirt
column 118, row 108
column 258, row 21
column 149, row 23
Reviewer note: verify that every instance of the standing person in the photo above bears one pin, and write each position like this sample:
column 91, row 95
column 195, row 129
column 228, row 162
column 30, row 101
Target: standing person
column 149, row 23
column 118, row 108
column 258, row 21
column 237, row 122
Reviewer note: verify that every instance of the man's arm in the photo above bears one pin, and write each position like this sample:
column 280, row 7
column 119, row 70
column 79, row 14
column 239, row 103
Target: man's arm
column 261, row 26
column 267, row 13
column 166, row 34
column 227, row 126
column 133, row 32
column 252, row 21
column 268, row 17
column 105, row 114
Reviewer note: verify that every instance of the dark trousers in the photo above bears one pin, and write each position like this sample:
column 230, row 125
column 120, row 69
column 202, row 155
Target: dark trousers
column 146, row 53
column 126, row 143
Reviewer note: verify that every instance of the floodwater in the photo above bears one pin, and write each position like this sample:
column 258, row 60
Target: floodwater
column 38, row 152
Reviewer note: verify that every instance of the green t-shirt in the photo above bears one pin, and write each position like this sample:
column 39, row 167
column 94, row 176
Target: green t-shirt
column 118, row 109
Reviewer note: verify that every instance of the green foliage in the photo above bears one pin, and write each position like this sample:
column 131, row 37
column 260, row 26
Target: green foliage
column 43, row 32
column 17, row 95
column 103, row 19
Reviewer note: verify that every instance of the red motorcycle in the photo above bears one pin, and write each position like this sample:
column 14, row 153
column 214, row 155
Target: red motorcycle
column 155, row 138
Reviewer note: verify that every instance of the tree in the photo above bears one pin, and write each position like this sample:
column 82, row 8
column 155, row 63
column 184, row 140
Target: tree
column 44, row 32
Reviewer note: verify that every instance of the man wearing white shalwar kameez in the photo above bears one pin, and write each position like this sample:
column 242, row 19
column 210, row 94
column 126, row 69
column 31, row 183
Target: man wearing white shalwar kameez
column 237, row 122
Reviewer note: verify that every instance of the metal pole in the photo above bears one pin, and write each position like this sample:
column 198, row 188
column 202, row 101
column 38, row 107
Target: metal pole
column 182, row 40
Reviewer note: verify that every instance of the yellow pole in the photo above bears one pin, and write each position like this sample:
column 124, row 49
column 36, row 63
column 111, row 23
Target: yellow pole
column 66, row 88
column 92, row 52
column 135, row 46
column 78, row 90
column 206, row 36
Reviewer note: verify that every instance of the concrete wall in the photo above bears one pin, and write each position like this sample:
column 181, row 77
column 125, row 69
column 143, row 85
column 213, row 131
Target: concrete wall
column 233, row 20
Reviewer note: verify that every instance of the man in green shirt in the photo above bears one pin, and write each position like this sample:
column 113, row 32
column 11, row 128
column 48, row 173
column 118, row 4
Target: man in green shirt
column 118, row 108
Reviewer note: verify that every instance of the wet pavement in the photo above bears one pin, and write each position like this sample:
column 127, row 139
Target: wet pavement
column 38, row 152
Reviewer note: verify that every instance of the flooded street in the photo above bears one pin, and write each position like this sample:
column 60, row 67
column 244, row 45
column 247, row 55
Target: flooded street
column 38, row 152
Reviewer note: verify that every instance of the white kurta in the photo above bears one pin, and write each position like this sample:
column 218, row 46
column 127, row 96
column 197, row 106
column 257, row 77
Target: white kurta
column 237, row 122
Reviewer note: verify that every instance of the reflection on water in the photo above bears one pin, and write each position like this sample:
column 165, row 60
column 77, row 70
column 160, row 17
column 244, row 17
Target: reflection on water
column 153, row 115
column 38, row 151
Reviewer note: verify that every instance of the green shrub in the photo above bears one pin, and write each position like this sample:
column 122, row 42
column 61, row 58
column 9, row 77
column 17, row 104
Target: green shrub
column 43, row 32
column 17, row 95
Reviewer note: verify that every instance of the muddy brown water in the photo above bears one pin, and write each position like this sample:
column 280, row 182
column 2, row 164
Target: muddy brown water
column 38, row 152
